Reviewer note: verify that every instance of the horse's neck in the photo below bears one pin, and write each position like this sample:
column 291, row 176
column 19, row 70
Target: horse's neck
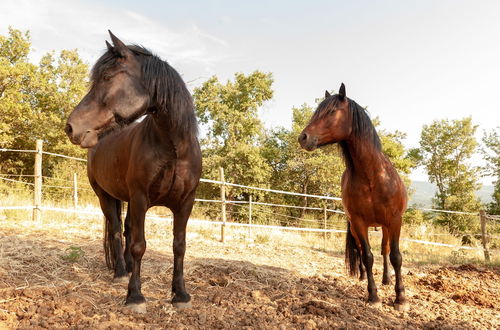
column 365, row 160
column 167, row 135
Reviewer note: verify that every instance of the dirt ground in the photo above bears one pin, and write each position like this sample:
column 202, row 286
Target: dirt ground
column 234, row 285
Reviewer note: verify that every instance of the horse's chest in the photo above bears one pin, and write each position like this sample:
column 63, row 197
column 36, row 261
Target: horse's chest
column 364, row 200
column 162, row 182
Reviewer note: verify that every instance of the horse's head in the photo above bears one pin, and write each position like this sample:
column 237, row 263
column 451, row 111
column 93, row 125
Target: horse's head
column 117, row 95
column 330, row 123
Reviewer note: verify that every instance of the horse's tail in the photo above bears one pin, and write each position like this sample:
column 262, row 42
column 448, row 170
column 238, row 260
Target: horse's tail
column 352, row 256
column 108, row 238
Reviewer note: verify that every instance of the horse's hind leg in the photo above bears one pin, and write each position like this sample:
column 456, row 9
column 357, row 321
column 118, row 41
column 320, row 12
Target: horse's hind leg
column 362, row 270
column 386, row 277
column 353, row 254
column 367, row 257
column 396, row 261
column 113, row 248
column 181, row 298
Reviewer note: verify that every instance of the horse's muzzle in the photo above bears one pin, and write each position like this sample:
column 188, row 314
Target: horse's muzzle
column 308, row 142
column 86, row 139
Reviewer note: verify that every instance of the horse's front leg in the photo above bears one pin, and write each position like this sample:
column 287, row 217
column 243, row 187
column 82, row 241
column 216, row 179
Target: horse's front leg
column 127, row 255
column 180, row 299
column 137, row 207
column 400, row 303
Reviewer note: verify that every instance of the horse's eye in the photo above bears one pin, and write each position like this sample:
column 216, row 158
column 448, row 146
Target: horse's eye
column 106, row 77
column 119, row 119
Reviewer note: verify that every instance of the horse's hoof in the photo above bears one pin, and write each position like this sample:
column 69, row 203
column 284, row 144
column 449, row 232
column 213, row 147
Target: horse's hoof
column 375, row 304
column 386, row 282
column 139, row 308
column 401, row 307
column 182, row 305
column 121, row 279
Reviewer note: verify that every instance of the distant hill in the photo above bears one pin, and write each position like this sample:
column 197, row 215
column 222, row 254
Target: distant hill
column 423, row 192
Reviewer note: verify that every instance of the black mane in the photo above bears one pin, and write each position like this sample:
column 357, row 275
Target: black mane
column 362, row 126
column 167, row 90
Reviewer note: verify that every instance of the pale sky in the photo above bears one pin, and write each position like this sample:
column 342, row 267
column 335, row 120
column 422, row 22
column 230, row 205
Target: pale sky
column 410, row 62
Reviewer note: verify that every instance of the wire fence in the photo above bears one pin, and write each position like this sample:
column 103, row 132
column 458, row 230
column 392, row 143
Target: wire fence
column 330, row 222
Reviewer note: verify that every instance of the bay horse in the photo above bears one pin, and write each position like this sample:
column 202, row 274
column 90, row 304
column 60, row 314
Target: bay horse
column 372, row 191
column 154, row 162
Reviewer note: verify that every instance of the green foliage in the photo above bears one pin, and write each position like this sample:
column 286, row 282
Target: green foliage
column 262, row 239
column 392, row 146
column 59, row 187
column 73, row 254
column 446, row 148
column 229, row 113
column 294, row 169
column 35, row 101
column 414, row 217
column 491, row 153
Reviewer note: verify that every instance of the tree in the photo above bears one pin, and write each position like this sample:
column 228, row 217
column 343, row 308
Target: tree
column 491, row 153
column 35, row 101
column 446, row 148
column 393, row 148
column 229, row 115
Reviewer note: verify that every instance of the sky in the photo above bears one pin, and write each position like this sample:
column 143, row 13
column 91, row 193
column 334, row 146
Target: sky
column 409, row 62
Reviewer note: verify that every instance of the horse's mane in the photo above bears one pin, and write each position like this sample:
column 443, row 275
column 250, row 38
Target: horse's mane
column 168, row 91
column 362, row 126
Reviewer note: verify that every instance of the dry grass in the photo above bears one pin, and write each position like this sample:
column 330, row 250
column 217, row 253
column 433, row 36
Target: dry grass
column 261, row 279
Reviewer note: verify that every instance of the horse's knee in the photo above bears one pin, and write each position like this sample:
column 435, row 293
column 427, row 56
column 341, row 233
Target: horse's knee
column 396, row 258
column 367, row 256
column 137, row 249
column 179, row 247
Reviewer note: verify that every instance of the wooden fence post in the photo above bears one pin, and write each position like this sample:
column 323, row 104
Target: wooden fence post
column 75, row 192
column 250, row 216
column 324, row 226
column 484, row 235
column 37, row 193
column 223, row 204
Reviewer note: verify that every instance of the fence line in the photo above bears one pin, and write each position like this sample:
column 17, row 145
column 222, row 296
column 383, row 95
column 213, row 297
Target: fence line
column 20, row 175
column 256, row 188
column 63, row 156
column 237, row 224
column 37, row 207
column 281, row 214
column 17, row 150
column 17, row 181
column 270, row 190
column 447, row 211
column 492, row 217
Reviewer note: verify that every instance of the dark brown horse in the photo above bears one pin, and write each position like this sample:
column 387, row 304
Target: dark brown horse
column 372, row 191
column 156, row 161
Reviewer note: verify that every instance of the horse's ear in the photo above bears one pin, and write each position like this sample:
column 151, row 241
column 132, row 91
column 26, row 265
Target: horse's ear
column 342, row 91
column 108, row 45
column 327, row 94
column 119, row 47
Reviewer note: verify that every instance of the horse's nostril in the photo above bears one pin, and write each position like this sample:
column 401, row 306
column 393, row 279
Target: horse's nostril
column 68, row 129
column 303, row 137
